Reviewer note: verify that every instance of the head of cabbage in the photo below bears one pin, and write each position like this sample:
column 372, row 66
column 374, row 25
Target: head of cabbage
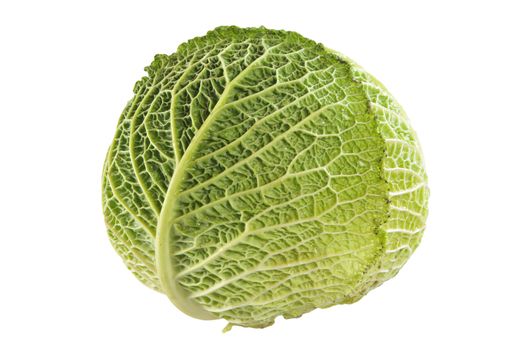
column 256, row 173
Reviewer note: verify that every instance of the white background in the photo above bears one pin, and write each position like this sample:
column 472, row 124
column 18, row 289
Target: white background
column 459, row 69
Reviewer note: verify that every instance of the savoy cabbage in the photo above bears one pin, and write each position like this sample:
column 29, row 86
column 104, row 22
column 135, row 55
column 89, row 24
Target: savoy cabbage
column 256, row 173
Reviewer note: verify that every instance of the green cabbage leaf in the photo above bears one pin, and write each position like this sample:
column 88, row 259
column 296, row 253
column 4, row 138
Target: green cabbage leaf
column 256, row 174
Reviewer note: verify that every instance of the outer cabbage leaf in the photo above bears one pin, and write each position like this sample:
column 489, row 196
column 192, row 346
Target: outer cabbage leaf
column 256, row 174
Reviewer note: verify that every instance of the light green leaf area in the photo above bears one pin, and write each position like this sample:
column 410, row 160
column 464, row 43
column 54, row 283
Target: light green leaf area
column 256, row 173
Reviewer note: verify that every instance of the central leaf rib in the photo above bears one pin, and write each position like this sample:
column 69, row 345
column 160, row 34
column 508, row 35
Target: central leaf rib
column 169, row 282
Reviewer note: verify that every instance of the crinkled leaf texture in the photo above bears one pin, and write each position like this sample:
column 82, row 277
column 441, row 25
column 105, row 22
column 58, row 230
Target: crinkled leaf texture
column 256, row 173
